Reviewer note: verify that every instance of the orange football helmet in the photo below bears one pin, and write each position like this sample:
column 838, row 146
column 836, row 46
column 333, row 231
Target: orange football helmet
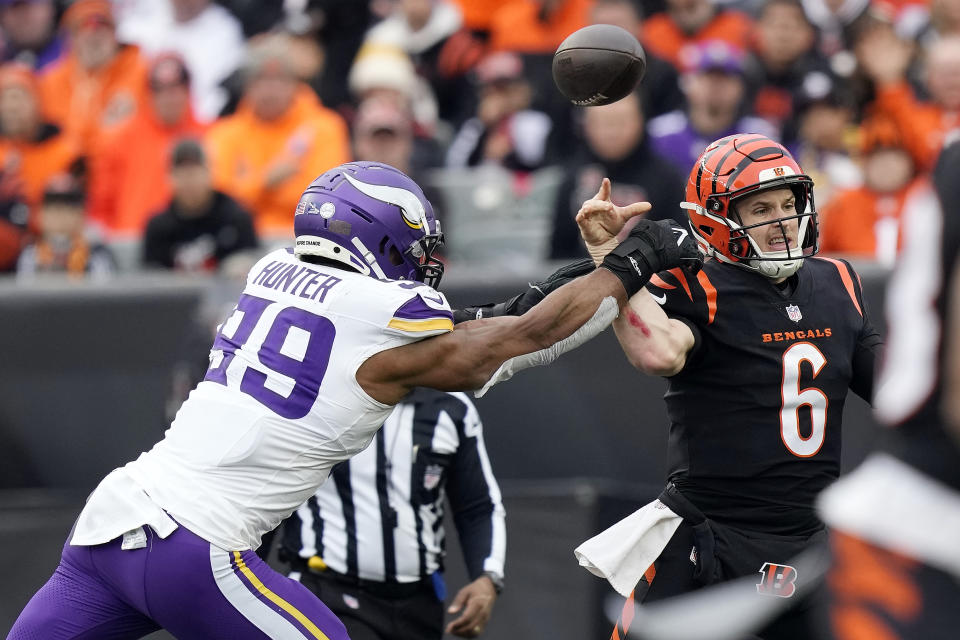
column 740, row 165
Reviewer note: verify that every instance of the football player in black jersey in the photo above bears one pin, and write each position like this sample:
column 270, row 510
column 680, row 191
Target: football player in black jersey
column 895, row 521
column 759, row 349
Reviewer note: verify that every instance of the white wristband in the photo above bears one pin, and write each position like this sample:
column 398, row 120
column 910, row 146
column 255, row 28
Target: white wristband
column 600, row 320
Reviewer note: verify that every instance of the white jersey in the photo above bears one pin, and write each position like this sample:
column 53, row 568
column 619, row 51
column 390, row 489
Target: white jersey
column 279, row 406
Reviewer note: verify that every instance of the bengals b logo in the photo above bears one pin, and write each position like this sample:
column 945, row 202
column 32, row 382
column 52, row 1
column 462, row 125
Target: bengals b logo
column 778, row 580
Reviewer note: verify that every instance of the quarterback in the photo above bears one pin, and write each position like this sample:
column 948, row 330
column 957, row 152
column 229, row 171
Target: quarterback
column 760, row 350
column 324, row 340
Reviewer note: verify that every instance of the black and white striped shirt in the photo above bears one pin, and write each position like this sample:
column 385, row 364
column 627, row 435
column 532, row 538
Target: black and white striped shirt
column 380, row 514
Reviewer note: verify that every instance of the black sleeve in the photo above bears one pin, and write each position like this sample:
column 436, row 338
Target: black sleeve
column 475, row 498
column 156, row 248
column 248, row 235
column 866, row 349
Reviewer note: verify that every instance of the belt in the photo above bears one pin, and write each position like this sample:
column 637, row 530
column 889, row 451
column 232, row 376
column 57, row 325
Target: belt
column 378, row 588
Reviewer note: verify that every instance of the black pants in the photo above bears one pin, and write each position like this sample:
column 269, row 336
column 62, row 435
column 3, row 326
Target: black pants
column 376, row 617
column 702, row 553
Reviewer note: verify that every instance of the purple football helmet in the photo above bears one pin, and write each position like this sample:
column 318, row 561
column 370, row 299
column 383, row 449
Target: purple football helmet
column 372, row 218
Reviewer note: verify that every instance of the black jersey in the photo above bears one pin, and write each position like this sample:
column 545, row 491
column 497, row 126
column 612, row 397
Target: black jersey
column 755, row 413
column 911, row 390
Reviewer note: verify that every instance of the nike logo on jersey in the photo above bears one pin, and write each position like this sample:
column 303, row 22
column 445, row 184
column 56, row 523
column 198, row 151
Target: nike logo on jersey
column 661, row 299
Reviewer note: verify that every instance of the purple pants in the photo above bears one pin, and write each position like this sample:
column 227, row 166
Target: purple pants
column 182, row 584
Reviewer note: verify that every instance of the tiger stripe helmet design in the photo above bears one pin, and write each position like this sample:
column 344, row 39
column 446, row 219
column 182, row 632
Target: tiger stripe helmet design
column 740, row 165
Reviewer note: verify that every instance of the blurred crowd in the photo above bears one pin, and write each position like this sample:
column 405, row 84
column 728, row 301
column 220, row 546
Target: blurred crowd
column 179, row 134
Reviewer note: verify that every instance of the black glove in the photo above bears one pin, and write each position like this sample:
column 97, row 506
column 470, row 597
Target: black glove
column 652, row 247
column 536, row 291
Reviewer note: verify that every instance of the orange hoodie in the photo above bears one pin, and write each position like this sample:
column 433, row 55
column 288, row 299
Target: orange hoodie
column 84, row 104
column 923, row 125
column 243, row 149
column 862, row 223
column 130, row 171
column 31, row 163
column 663, row 37
column 517, row 25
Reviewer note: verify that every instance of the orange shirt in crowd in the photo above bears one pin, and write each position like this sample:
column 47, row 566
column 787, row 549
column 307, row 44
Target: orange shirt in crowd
column 664, row 38
column 922, row 125
column 243, row 149
column 517, row 26
column 130, row 171
column 862, row 223
column 477, row 14
column 35, row 162
column 85, row 104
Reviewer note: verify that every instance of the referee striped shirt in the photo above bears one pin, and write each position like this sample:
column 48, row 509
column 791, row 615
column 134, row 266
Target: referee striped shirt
column 380, row 514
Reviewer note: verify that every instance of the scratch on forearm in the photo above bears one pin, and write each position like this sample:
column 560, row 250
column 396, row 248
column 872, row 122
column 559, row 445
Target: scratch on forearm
column 636, row 322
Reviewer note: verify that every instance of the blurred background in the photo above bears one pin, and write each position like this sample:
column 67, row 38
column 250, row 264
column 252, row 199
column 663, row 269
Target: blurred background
column 152, row 150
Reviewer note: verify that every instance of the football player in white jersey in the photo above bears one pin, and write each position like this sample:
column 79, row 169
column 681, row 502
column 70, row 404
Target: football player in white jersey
column 325, row 338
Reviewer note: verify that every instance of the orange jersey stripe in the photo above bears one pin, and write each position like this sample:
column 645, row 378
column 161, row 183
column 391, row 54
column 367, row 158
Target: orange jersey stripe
column 711, row 292
column 682, row 278
column 650, row 574
column 847, row 281
column 657, row 281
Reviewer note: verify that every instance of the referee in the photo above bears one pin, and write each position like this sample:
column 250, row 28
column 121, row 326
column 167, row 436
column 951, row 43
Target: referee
column 370, row 542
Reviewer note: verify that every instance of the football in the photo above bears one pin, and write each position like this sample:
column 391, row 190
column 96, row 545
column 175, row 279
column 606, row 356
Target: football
column 598, row 65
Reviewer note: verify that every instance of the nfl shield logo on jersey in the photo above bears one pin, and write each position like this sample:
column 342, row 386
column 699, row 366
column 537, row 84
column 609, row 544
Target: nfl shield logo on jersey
column 431, row 476
column 793, row 312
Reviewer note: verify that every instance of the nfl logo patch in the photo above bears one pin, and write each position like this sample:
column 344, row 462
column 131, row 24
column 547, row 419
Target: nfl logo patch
column 431, row 476
column 793, row 312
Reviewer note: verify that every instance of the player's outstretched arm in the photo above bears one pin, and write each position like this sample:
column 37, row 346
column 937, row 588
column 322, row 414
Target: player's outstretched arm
column 652, row 342
column 468, row 356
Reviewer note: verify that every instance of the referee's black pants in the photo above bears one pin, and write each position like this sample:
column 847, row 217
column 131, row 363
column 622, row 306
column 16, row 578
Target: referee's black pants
column 412, row 612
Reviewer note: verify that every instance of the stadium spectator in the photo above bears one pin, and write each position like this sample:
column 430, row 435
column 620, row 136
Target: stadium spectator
column 30, row 34
column 616, row 148
column 536, row 26
column 129, row 171
column 32, row 150
column 210, row 40
column 866, row 222
column 923, row 124
column 385, row 71
column 431, row 32
column 100, row 82
column 837, row 23
column 714, row 86
column 660, row 88
column 200, row 227
column 63, row 244
column 477, row 14
column 280, row 138
column 825, row 135
column 687, row 22
column 505, row 130
column 782, row 59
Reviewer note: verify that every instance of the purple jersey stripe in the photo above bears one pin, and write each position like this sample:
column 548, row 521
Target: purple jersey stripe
column 417, row 309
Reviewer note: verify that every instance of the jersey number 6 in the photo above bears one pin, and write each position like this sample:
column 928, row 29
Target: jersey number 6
column 283, row 354
column 794, row 398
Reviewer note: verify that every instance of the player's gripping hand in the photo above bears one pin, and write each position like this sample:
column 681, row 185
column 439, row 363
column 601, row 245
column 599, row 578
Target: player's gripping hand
column 600, row 221
column 535, row 292
column 651, row 247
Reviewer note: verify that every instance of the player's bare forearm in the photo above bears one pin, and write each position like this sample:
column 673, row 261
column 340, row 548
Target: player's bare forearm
column 467, row 357
column 652, row 342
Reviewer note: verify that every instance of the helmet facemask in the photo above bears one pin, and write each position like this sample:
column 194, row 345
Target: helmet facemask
column 786, row 262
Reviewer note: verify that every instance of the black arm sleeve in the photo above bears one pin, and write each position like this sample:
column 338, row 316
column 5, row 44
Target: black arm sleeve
column 864, row 361
column 474, row 501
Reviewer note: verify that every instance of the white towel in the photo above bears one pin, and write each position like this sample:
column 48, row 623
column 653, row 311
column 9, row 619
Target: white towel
column 623, row 553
